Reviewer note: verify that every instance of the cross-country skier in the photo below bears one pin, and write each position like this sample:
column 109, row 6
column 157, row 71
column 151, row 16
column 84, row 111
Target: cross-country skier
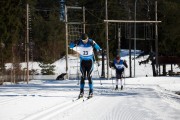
column 86, row 46
column 119, row 65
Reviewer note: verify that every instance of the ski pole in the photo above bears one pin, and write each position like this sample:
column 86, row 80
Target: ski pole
column 97, row 69
column 98, row 74
column 124, row 78
column 77, row 76
column 112, row 79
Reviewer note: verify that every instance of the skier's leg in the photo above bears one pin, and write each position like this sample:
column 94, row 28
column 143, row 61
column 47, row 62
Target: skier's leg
column 82, row 82
column 90, row 85
column 117, row 80
column 116, row 84
column 89, row 71
column 121, row 83
column 121, row 78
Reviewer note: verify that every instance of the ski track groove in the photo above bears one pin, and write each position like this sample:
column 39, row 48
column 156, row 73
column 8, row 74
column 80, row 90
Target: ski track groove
column 6, row 101
column 80, row 108
column 18, row 98
column 169, row 97
column 121, row 111
column 53, row 111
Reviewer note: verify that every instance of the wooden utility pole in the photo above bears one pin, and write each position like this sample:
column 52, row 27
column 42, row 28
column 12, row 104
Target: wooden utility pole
column 27, row 45
column 156, row 38
column 107, row 43
column 135, row 39
column 66, row 28
column 13, row 65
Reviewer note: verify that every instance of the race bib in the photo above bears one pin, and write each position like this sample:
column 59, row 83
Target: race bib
column 86, row 51
column 118, row 66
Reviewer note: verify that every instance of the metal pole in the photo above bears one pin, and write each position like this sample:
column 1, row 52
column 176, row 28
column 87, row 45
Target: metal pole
column 27, row 43
column 66, row 28
column 156, row 38
column 135, row 39
column 107, row 43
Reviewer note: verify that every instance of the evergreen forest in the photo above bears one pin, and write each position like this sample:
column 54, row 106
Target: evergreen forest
column 47, row 30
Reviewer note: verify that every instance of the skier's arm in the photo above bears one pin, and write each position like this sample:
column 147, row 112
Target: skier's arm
column 73, row 43
column 96, row 46
column 125, row 64
column 113, row 64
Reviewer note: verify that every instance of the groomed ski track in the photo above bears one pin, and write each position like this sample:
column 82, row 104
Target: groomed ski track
column 134, row 102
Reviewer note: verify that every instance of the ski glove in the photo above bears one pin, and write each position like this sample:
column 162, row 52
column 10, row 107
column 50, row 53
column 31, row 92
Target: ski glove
column 71, row 45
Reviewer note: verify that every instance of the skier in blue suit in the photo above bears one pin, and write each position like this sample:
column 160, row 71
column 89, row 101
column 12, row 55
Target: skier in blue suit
column 86, row 46
column 119, row 65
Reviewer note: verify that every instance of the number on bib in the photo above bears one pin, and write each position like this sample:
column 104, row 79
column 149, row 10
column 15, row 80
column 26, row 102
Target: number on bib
column 85, row 52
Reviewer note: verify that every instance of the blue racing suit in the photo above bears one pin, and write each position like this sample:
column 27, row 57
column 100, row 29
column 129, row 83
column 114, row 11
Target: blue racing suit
column 86, row 60
column 119, row 66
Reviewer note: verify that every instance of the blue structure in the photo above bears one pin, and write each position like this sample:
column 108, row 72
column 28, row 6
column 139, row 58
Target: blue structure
column 62, row 10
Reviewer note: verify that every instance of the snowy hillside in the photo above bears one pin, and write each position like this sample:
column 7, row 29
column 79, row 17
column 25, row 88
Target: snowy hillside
column 143, row 98
column 74, row 72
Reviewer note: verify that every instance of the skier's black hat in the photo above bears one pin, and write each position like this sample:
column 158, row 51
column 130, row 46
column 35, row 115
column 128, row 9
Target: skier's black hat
column 84, row 36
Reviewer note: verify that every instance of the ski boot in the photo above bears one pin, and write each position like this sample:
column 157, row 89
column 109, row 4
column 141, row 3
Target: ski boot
column 116, row 88
column 81, row 94
column 121, row 87
column 90, row 93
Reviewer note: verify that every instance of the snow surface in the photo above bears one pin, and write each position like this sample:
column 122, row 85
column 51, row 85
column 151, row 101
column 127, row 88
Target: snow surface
column 143, row 98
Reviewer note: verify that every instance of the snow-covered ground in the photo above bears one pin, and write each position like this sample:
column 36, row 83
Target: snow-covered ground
column 143, row 98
